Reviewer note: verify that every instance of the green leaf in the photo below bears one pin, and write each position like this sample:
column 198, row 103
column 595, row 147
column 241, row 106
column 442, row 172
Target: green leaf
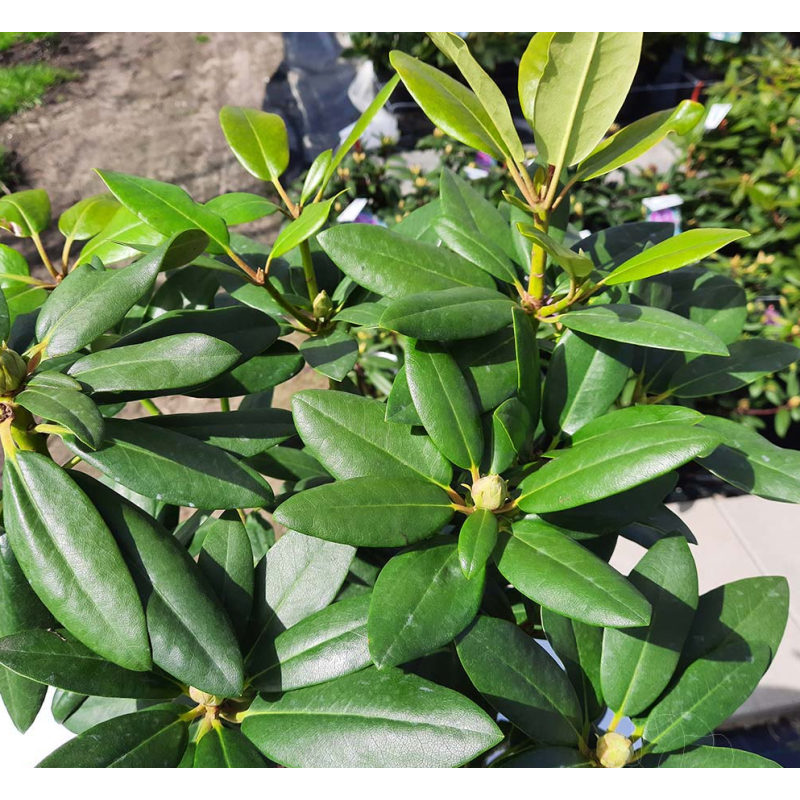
column 679, row 251
column 531, row 69
column 558, row 573
column 579, row 647
column 239, row 208
column 304, row 575
column 174, row 362
column 637, row 138
column 612, row 463
column 636, row 417
column 750, row 462
column 368, row 512
column 349, row 437
column 67, row 407
column 548, row 758
column 489, row 365
column 25, row 213
column 584, row 378
column 304, row 227
column 705, row 757
column 613, row 246
column 393, row 265
column 529, row 373
column 749, row 360
column 476, row 540
column 327, row 645
column 370, row 719
column 332, row 354
column 191, row 636
column 444, row 403
column 316, row 173
column 243, row 433
column 146, row 739
column 521, row 681
column 421, row 601
column 639, row 662
column 120, row 239
column 511, row 426
column 450, row 314
column 61, row 541
column 164, row 207
column 367, row 315
column 226, row 559
column 65, row 704
column 471, row 245
column 258, row 140
column 486, row 91
column 399, row 404
column 49, row 657
column 226, row 748
column 177, row 469
column 576, row 265
column 449, row 104
column 705, row 695
column 644, row 326
column 88, row 217
column 581, row 90
column 20, row 610
column 88, row 302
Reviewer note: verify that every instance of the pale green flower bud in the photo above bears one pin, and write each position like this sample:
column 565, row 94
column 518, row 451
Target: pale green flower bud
column 489, row 492
column 322, row 306
column 613, row 750
column 12, row 370
column 204, row 698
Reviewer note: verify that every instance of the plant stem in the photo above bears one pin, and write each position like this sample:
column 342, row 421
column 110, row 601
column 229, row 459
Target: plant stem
column 43, row 255
column 615, row 720
column 150, row 407
column 293, row 209
column 308, row 270
column 224, row 404
column 74, row 461
column 538, row 261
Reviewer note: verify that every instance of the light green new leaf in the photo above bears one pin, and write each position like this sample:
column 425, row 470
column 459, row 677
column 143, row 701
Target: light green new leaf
column 531, row 68
column 239, row 208
column 475, row 248
column 120, row 239
column 556, row 572
column 316, row 173
column 258, row 140
column 421, row 601
column 25, row 213
column 88, row 217
column 574, row 264
column 637, row 138
column 476, row 541
column 370, row 719
column 67, row 407
column 679, row 251
column 304, row 227
column 581, row 90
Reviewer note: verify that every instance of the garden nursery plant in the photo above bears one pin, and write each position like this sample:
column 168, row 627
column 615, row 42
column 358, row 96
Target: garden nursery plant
column 447, row 520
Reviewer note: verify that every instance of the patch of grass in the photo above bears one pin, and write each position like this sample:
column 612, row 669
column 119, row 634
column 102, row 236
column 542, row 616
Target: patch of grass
column 8, row 40
column 23, row 85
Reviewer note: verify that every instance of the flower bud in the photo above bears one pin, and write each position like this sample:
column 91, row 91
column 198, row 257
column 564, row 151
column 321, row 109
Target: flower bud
column 613, row 750
column 489, row 492
column 12, row 370
column 204, row 698
column 322, row 306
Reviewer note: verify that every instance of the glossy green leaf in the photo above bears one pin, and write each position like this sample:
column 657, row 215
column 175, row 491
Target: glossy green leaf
column 511, row 426
column 304, row 227
column 521, row 681
column 165, row 207
column 174, row 468
column 120, row 239
column 332, row 354
column 706, row 757
column 239, row 208
column 558, row 573
column 529, row 374
column 444, row 403
column 576, row 265
column 637, row 138
column 614, row 246
column 750, row 462
column 584, row 378
column 88, row 217
column 547, row 758
column 226, row 560
column 582, row 88
column 421, row 601
column 243, row 433
column 146, row 739
column 25, row 213
column 449, row 104
column 370, row 719
column 679, row 251
column 65, row 704
column 393, row 265
column 327, row 645
column 67, row 407
column 399, row 404
column 749, row 360
column 258, row 140
column 579, row 647
column 54, row 658
column 191, row 636
column 174, row 362
column 475, row 248
column 531, row 68
column 226, row 748
column 636, row 417
column 315, row 175
column 367, row 315
column 489, row 365
column 61, row 543
column 349, row 437
column 476, row 540
column 644, row 326
column 710, row 689
column 639, row 662
column 368, row 512
column 612, row 463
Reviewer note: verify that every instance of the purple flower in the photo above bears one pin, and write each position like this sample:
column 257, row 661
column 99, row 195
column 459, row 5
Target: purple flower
column 484, row 161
